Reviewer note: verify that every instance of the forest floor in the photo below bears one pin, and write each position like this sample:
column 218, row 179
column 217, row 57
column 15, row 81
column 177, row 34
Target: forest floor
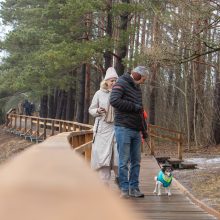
column 203, row 182
column 10, row 145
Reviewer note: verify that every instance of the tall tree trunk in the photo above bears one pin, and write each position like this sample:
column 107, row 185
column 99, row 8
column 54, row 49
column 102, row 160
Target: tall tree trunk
column 87, row 95
column 60, row 104
column 216, row 116
column 153, row 94
column 51, row 107
column 122, row 51
column 132, row 25
column 186, row 98
column 137, row 40
column 155, row 70
column 81, row 96
column 143, row 34
column 107, row 54
column 43, row 106
column 56, row 92
column 64, row 103
column 169, row 91
column 70, row 105
column 191, row 95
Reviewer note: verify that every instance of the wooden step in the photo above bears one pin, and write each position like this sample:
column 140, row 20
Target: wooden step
column 175, row 162
column 187, row 165
column 162, row 159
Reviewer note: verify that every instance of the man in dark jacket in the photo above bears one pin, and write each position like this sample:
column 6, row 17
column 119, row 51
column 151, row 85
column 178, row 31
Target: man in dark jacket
column 126, row 98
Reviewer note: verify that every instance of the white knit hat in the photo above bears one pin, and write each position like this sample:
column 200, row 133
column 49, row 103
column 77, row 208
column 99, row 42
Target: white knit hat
column 110, row 73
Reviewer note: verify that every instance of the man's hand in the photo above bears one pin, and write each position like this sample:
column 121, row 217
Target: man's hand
column 144, row 135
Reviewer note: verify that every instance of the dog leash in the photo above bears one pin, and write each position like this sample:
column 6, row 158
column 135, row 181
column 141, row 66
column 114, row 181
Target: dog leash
column 144, row 126
column 147, row 143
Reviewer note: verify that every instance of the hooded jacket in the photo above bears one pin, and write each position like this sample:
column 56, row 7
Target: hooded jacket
column 104, row 148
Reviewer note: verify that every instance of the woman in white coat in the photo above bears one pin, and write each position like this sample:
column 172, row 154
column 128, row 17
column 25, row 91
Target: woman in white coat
column 104, row 156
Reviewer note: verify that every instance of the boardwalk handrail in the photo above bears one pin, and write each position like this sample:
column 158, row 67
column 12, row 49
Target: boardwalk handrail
column 81, row 142
column 40, row 128
column 85, row 148
column 174, row 136
column 34, row 118
column 49, row 181
column 54, row 156
column 37, row 128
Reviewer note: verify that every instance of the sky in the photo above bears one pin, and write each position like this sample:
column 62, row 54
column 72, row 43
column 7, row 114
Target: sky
column 3, row 31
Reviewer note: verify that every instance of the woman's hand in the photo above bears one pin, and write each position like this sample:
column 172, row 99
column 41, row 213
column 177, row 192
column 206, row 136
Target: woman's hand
column 101, row 110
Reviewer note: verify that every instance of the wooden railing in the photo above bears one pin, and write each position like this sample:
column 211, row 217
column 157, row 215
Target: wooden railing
column 40, row 128
column 165, row 134
column 49, row 181
column 81, row 142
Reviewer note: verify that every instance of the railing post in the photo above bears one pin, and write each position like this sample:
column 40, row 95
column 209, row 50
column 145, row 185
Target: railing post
column 72, row 141
column 31, row 123
column 38, row 127
column 25, row 124
column 88, row 151
column 20, row 122
column 75, row 141
column 151, row 141
column 82, row 139
column 52, row 127
column 45, row 129
column 60, row 127
column 15, row 125
column 64, row 125
column 88, row 154
column 74, row 127
column 69, row 127
column 180, row 148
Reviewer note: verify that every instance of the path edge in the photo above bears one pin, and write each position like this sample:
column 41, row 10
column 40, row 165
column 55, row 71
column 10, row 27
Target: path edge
column 195, row 200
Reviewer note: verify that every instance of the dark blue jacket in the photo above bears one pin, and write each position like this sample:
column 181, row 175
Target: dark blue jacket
column 126, row 98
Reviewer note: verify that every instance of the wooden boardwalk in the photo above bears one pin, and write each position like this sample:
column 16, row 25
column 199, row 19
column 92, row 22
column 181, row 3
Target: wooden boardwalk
column 177, row 206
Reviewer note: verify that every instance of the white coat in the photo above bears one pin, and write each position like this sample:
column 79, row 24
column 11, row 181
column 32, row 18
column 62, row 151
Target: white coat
column 104, row 148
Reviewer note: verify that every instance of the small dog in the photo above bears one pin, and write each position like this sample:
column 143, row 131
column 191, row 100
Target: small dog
column 164, row 178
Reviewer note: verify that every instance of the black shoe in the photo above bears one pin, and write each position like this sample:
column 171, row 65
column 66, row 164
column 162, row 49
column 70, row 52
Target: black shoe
column 136, row 193
column 117, row 181
column 124, row 194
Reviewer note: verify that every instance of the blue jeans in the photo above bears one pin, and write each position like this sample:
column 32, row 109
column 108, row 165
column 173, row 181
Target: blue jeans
column 129, row 150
